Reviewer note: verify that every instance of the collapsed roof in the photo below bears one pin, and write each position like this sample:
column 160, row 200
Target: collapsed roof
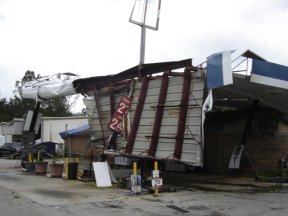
column 86, row 84
column 151, row 111
column 165, row 118
column 257, row 80
column 141, row 115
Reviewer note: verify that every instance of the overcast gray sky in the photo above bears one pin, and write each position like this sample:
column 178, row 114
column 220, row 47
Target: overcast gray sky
column 94, row 37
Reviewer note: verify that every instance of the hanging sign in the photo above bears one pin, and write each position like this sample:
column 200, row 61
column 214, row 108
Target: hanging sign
column 135, row 183
column 156, row 182
column 155, row 174
column 115, row 123
column 124, row 161
column 236, row 157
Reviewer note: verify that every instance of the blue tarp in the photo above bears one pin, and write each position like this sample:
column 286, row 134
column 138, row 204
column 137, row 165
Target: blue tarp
column 84, row 129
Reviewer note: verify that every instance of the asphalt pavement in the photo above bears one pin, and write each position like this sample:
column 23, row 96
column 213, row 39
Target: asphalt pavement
column 30, row 194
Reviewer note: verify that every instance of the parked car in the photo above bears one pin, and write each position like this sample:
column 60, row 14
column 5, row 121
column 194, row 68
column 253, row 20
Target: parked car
column 12, row 150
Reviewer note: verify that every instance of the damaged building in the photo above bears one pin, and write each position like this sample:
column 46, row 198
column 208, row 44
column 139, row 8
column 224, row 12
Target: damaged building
column 163, row 111
column 152, row 113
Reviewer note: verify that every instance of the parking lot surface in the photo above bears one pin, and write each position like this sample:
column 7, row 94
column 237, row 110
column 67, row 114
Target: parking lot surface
column 29, row 194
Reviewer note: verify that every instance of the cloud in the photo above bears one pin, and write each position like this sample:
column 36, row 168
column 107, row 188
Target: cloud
column 94, row 38
column 1, row 17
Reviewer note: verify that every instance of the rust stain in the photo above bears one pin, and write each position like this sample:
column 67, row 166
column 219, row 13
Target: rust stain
column 173, row 112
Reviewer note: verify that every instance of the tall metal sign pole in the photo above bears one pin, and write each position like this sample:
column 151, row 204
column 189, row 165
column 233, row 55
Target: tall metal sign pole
column 143, row 36
column 146, row 14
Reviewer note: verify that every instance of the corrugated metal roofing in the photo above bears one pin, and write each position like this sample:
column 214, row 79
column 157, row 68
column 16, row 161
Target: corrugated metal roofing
column 87, row 84
column 191, row 146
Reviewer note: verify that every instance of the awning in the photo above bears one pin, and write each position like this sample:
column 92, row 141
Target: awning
column 241, row 94
column 266, row 82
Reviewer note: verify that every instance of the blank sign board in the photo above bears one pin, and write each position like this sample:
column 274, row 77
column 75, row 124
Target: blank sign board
column 102, row 176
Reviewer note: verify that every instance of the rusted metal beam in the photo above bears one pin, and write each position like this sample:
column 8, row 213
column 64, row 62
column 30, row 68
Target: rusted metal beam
column 182, row 114
column 137, row 116
column 112, row 140
column 159, row 115
column 249, row 122
column 126, row 117
column 98, row 106
column 112, row 100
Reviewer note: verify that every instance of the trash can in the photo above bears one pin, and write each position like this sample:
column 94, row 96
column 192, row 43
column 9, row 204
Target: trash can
column 29, row 167
column 72, row 170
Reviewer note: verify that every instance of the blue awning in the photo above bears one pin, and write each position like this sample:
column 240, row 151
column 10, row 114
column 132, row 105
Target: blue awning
column 270, row 74
column 85, row 129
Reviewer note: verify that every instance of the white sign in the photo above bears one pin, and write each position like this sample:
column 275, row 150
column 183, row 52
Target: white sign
column 135, row 183
column 115, row 123
column 124, row 161
column 155, row 174
column 28, row 121
column 102, row 175
column 236, row 157
column 157, row 182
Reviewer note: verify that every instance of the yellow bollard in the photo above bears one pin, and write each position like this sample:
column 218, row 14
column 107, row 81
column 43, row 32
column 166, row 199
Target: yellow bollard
column 38, row 155
column 30, row 157
column 135, row 168
column 156, row 168
column 135, row 181
column 66, row 167
column 155, row 165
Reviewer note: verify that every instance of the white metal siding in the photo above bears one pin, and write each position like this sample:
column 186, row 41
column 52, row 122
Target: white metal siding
column 52, row 126
column 192, row 148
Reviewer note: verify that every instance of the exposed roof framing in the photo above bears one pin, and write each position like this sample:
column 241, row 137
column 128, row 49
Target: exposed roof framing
column 85, row 85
